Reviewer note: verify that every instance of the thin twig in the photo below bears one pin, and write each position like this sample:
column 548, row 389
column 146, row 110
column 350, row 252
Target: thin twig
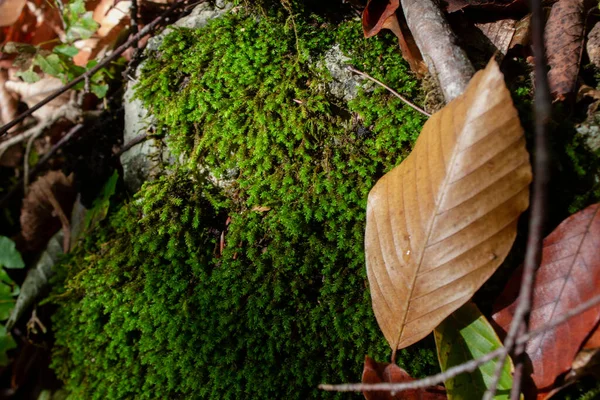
column 136, row 140
column 468, row 366
column 392, row 91
column 107, row 60
column 537, row 217
column 133, row 16
column 74, row 131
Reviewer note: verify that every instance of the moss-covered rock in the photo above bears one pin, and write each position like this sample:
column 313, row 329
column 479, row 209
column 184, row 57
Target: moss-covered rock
column 153, row 308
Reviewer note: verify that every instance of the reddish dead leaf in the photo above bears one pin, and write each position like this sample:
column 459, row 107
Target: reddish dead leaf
column 495, row 5
column 48, row 197
column 568, row 276
column 375, row 372
column 564, row 45
column 381, row 14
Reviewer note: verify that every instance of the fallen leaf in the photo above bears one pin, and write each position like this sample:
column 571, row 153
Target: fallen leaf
column 38, row 278
column 261, row 208
column 33, row 93
column 374, row 372
column 10, row 11
column 381, row 14
column 564, row 44
column 522, row 36
column 499, row 33
column 8, row 103
column 492, row 5
column 593, row 340
column 593, row 45
column 440, row 223
column 568, row 276
column 466, row 335
column 39, row 218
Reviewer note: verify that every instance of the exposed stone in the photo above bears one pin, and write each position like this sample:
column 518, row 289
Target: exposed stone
column 590, row 131
column 344, row 84
column 144, row 161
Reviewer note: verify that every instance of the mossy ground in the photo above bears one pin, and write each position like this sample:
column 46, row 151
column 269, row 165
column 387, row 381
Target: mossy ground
column 151, row 307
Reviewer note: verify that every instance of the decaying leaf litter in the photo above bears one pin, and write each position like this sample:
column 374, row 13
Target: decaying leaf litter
column 437, row 226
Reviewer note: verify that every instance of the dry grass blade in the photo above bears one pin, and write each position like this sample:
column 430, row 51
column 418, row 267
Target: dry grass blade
column 440, row 223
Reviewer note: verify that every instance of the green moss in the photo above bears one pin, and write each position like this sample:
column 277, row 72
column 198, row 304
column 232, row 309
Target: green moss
column 152, row 309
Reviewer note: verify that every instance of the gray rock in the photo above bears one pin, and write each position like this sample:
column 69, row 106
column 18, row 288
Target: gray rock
column 590, row 131
column 144, row 161
column 344, row 84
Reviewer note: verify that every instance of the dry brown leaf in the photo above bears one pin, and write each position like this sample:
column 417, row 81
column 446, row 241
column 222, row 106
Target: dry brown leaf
column 522, row 36
column 381, row 14
column 33, row 93
column 40, row 216
column 10, row 11
column 440, row 223
column 261, row 208
column 374, row 372
column 499, row 33
column 564, row 44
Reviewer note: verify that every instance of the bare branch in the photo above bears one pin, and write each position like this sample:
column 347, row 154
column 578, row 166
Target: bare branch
column 468, row 366
column 392, row 91
column 438, row 44
column 537, row 217
column 107, row 60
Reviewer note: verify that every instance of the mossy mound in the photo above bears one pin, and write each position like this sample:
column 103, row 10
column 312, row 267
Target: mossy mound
column 152, row 308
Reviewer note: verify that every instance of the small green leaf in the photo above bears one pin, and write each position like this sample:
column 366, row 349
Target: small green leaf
column 65, row 49
column 6, row 343
column 9, row 255
column 50, row 64
column 465, row 335
column 100, row 207
column 91, row 64
column 8, row 289
column 99, row 90
column 15, row 47
column 28, row 76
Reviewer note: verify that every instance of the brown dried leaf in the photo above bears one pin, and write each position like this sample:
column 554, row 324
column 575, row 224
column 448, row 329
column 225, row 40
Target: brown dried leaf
column 39, row 217
column 10, row 11
column 568, row 276
column 564, row 45
column 374, row 372
column 499, row 33
column 381, row 14
column 33, row 93
column 440, row 223
column 522, row 36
